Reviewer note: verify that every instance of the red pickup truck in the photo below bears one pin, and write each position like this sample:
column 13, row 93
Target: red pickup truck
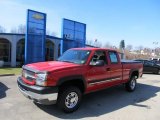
column 77, row 72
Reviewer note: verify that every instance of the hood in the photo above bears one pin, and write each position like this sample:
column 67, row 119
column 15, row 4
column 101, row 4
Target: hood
column 51, row 65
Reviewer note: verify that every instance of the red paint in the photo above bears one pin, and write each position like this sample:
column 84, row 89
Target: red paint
column 28, row 82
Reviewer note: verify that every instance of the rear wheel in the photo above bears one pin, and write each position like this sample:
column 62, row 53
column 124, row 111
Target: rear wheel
column 69, row 99
column 131, row 85
column 158, row 72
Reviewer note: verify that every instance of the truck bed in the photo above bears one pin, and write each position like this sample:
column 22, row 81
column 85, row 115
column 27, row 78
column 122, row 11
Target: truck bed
column 129, row 61
column 130, row 65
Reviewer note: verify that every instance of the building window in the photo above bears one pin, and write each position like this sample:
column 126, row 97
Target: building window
column 20, row 51
column 49, row 50
column 59, row 50
column 5, row 50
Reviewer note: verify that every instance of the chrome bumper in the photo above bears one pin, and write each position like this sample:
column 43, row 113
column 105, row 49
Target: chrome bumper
column 46, row 99
column 41, row 95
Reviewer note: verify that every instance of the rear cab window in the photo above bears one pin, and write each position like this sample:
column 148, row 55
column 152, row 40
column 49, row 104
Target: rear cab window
column 113, row 57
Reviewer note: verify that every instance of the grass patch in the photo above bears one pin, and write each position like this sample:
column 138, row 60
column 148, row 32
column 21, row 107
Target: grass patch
column 16, row 71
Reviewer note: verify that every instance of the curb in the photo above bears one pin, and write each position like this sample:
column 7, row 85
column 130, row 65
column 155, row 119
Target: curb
column 1, row 75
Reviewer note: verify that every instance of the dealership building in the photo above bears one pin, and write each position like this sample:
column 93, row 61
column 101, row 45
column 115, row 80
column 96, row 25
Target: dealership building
column 35, row 45
column 12, row 48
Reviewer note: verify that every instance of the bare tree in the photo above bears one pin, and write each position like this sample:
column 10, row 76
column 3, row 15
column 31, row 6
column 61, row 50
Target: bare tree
column 13, row 30
column 157, row 51
column 51, row 33
column 89, row 42
column 94, row 43
column 98, row 44
column 148, row 51
column 2, row 29
column 20, row 29
column 107, row 45
column 140, row 48
column 47, row 32
column 129, row 47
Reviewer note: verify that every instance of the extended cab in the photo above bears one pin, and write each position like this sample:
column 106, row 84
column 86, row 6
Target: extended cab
column 77, row 72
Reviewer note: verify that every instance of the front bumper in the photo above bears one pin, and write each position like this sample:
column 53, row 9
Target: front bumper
column 41, row 95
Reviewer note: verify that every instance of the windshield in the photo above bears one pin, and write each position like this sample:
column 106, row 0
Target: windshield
column 75, row 56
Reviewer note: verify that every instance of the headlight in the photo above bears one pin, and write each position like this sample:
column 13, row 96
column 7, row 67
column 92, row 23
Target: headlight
column 41, row 78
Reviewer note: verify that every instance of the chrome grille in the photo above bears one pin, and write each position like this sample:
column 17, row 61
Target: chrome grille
column 29, row 75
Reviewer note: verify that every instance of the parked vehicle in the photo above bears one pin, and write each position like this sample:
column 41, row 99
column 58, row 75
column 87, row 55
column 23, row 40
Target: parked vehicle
column 77, row 72
column 157, row 61
column 150, row 66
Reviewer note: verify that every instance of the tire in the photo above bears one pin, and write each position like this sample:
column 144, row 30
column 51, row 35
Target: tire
column 69, row 99
column 131, row 85
column 158, row 72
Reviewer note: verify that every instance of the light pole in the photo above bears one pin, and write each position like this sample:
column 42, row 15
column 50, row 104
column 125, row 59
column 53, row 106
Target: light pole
column 155, row 43
column 95, row 42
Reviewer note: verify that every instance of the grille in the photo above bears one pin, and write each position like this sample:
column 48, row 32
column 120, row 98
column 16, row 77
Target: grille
column 29, row 75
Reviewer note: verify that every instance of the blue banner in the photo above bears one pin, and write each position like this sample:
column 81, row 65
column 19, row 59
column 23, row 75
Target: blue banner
column 73, row 34
column 35, row 37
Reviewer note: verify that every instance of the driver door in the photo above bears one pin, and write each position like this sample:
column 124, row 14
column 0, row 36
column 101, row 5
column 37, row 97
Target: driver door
column 97, row 75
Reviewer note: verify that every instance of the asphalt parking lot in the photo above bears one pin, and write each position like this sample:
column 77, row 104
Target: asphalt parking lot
column 110, row 104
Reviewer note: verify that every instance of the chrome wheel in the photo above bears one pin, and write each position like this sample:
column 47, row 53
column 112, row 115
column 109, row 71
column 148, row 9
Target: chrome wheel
column 71, row 100
column 133, row 83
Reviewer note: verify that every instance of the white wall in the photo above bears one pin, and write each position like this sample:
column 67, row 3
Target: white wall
column 14, row 40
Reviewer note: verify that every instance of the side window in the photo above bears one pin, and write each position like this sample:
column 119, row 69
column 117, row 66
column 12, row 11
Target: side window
column 113, row 57
column 99, row 55
column 148, row 63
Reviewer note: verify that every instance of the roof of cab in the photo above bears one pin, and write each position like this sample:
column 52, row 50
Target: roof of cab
column 92, row 48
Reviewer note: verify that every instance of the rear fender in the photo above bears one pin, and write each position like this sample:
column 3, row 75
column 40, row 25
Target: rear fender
column 134, row 71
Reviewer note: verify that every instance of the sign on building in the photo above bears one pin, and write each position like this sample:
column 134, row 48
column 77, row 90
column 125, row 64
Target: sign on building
column 35, row 37
column 73, row 34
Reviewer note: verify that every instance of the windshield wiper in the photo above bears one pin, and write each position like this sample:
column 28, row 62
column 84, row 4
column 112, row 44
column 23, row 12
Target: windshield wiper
column 66, row 61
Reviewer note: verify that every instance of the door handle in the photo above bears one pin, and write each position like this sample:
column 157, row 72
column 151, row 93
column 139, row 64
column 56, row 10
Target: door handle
column 108, row 69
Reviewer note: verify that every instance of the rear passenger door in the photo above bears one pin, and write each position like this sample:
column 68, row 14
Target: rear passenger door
column 114, row 67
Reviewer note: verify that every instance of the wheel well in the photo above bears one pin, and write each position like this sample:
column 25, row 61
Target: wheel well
column 135, row 73
column 77, row 82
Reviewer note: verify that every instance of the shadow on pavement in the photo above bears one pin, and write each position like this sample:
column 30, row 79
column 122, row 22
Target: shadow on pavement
column 106, row 101
column 3, row 89
column 151, row 73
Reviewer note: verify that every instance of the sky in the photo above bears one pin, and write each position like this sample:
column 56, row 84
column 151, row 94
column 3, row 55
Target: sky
column 109, row 21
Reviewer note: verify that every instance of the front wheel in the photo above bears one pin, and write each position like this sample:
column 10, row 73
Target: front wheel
column 158, row 72
column 131, row 85
column 69, row 99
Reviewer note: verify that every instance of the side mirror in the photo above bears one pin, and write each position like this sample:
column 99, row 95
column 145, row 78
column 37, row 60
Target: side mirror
column 97, row 63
